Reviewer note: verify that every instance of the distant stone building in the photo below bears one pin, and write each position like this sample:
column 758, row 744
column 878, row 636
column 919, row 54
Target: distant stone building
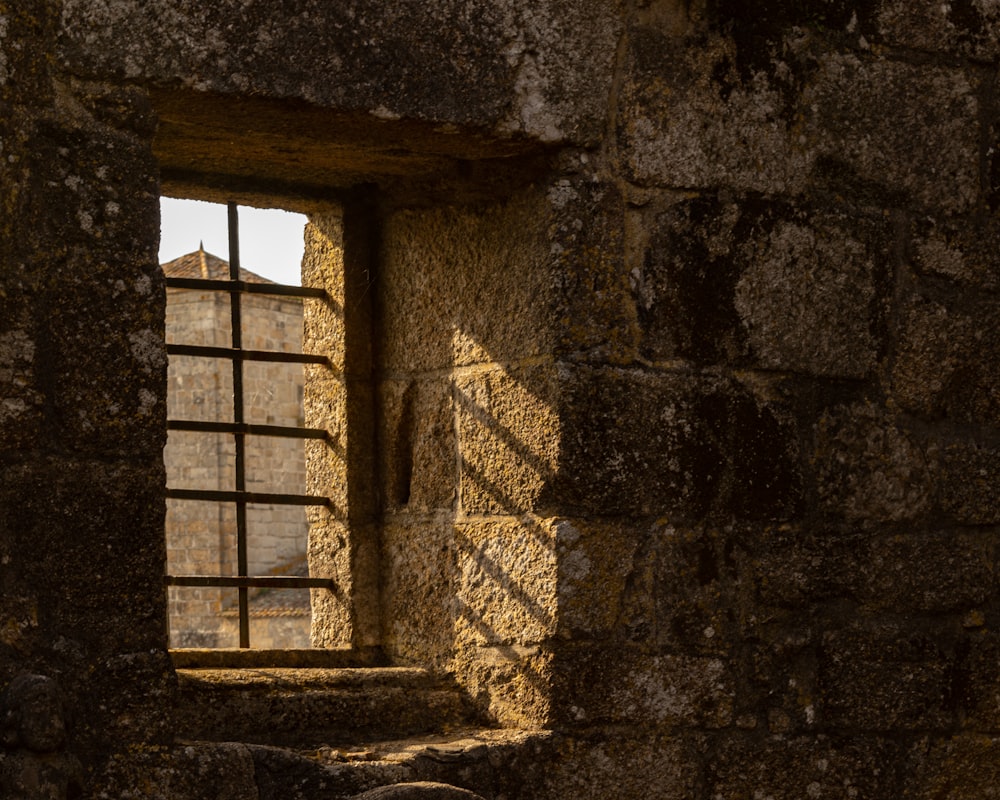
column 201, row 536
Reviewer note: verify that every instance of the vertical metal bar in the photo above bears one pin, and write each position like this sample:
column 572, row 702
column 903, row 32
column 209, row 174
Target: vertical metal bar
column 238, row 418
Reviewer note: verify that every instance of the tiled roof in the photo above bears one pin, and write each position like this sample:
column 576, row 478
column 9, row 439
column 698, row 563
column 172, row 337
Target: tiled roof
column 200, row 264
column 279, row 602
column 283, row 602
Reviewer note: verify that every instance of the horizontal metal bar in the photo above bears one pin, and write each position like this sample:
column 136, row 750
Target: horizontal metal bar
column 242, row 582
column 249, row 287
column 251, row 498
column 244, row 355
column 285, row 431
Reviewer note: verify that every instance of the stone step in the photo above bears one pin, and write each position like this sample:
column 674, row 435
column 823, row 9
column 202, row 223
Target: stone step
column 491, row 763
column 314, row 707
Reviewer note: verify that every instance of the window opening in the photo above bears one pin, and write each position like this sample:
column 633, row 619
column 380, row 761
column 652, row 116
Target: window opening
column 239, row 426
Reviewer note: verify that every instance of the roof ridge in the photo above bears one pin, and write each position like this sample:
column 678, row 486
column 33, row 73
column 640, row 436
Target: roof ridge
column 202, row 264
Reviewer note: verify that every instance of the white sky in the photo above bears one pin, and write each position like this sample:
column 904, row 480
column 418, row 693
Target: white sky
column 270, row 239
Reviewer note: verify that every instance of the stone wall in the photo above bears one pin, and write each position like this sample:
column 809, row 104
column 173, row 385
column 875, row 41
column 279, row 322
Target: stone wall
column 662, row 400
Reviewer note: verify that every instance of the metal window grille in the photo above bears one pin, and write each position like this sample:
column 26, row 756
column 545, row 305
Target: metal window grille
column 240, row 429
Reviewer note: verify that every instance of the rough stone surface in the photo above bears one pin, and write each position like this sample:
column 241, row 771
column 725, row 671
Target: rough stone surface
column 418, row 452
column 944, row 365
column 969, row 486
column 869, row 467
column 801, row 116
column 660, row 406
column 661, row 768
column 959, row 250
column 893, row 679
column 421, row 562
column 783, row 767
column 777, row 301
column 860, row 115
column 686, row 120
column 714, row 444
column 508, row 432
column 596, row 562
column 738, row 283
column 436, row 262
column 968, row 29
column 666, row 690
column 518, row 69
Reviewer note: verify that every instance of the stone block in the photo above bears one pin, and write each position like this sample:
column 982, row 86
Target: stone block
column 509, row 683
column 721, row 114
column 76, row 512
column 684, row 287
column 461, row 286
column 124, row 108
column 508, row 583
column 87, row 222
column 592, row 308
column 551, row 266
column 754, row 424
column 688, row 120
column 638, row 688
column 958, row 249
column 327, row 473
column 869, row 467
column 183, row 773
column 792, row 566
column 970, row 486
column 954, row 767
column 597, row 564
column 761, row 283
column 694, row 576
column 964, row 29
column 789, row 768
column 939, row 572
column 534, row 73
column 778, row 691
column 799, row 300
column 90, row 195
column 330, row 554
column 22, row 397
column 418, row 450
column 324, row 325
column 634, row 442
column 977, row 676
column 884, row 679
column 349, row 614
column 945, row 361
column 887, row 132
column 758, row 30
column 29, row 33
column 641, row 442
column 82, row 564
column 508, row 436
column 421, row 576
column 657, row 767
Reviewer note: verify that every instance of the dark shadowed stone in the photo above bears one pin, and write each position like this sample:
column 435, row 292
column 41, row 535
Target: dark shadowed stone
column 32, row 733
column 762, row 282
column 946, row 360
column 787, row 768
column 869, row 466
